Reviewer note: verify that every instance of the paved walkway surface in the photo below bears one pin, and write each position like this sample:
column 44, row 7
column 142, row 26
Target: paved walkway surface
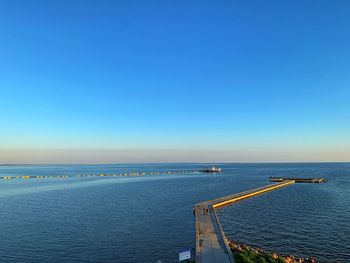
column 211, row 244
column 210, row 247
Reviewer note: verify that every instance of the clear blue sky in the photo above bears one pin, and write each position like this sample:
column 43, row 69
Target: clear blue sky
column 223, row 75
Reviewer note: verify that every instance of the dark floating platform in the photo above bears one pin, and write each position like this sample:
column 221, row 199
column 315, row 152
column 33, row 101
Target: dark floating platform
column 212, row 169
column 298, row 180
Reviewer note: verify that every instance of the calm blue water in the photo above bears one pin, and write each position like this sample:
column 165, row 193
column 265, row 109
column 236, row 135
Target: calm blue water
column 145, row 219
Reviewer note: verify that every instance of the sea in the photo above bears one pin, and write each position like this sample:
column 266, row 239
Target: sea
column 149, row 218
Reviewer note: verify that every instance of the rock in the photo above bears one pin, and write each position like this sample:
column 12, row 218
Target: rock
column 259, row 250
column 274, row 255
column 288, row 260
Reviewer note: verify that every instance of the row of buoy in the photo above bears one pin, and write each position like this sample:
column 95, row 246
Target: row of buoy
column 96, row 175
column 109, row 175
column 137, row 173
column 33, row 176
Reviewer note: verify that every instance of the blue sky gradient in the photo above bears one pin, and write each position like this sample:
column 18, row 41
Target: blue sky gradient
column 191, row 75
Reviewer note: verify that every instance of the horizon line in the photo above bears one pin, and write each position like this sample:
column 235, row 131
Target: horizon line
column 155, row 163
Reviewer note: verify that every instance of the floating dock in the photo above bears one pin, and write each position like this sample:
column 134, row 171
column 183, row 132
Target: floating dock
column 212, row 169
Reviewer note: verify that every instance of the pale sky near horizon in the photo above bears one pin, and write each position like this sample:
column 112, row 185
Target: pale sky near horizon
column 174, row 81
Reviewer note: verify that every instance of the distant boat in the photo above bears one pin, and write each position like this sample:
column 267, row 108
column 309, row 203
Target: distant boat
column 212, row 169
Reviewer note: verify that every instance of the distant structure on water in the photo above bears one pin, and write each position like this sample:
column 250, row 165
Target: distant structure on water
column 298, row 180
column 212, row 169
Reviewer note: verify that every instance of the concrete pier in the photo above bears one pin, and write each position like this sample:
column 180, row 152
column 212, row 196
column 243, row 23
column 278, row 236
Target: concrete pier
column 211, row 242
column 298, row 180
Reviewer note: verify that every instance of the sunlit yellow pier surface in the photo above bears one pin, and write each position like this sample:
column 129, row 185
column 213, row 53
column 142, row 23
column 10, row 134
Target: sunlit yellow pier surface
column 211, row 243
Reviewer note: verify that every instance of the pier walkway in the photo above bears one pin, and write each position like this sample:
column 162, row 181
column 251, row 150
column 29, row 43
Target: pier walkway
column 211, row 243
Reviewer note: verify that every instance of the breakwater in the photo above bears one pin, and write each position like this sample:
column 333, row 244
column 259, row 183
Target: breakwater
column 102, row 174
column 298, row 180
column 247, row 253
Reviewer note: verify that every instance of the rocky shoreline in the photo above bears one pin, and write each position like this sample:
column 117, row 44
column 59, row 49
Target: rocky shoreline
column 245, row 254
